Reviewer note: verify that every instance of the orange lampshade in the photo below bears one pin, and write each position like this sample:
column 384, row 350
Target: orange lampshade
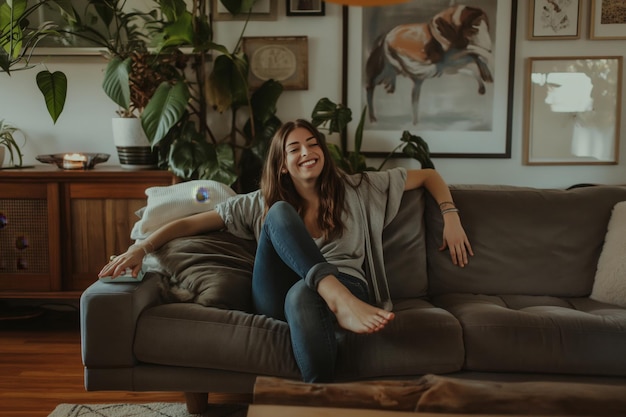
column 366, row 2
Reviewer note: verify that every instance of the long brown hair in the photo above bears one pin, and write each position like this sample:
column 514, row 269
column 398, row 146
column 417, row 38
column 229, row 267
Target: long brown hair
column 277, row 186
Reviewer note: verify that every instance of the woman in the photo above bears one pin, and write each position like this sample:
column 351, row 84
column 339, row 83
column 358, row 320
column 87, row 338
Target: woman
column 311, row 222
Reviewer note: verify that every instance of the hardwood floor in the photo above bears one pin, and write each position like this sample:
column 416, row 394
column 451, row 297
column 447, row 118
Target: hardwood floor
column 40, row 367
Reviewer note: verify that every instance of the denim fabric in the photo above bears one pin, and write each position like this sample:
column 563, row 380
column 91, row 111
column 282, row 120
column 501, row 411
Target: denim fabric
column 288, row 266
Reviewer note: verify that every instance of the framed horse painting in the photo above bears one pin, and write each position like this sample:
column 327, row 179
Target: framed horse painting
column 441, row 70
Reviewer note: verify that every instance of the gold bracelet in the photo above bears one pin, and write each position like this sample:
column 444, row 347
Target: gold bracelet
column 444, row 203
column 450, row 210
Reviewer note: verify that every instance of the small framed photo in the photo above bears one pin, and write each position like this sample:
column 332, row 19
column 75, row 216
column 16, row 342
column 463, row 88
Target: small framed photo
column 555, row 19
column 572, row 110
column 261, row 10
column 305, row 8
column 284, row 59
column 608, row 19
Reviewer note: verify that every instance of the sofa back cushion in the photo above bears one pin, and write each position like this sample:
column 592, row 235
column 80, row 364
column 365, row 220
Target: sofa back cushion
column 525, row 240
column 404, row 249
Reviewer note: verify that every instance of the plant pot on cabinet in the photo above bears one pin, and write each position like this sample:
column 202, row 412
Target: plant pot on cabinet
column 133, row 148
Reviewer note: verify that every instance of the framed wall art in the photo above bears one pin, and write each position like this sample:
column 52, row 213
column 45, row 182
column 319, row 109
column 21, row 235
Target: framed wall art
column 305, row 8
column 70, row 45
column 455, row 92
column 572, row 110
column 554, row 19
column 261, row 10
column 608, row 19
column 284, row 59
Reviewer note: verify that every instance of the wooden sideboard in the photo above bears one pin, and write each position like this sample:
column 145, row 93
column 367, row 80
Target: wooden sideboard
column 59, row 227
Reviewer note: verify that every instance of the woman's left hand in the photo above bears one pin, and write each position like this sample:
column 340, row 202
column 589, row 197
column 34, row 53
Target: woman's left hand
column 455, row 239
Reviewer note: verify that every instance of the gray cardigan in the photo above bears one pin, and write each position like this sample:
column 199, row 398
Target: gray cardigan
column 371, row 204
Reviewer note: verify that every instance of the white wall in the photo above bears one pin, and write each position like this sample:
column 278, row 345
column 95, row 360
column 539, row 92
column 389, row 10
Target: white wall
column 85, row 124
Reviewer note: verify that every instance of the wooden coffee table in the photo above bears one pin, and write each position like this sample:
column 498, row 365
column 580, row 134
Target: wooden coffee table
column 433, row 395
column 260, row 410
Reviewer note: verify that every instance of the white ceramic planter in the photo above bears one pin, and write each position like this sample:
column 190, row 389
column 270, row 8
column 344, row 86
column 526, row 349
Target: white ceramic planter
column 133, row 147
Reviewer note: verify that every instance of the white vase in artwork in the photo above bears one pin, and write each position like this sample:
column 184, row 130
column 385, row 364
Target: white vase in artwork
column 133, row 147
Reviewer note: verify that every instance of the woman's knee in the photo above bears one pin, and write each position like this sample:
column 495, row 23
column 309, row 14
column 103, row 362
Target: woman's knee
column 281, row 214
column 300, row 299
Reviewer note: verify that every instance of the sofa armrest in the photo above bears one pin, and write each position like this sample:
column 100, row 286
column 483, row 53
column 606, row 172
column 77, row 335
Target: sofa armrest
column 108, row 316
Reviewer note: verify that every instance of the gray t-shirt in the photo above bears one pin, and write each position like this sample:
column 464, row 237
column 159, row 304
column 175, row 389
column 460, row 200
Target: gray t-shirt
column 243, row 214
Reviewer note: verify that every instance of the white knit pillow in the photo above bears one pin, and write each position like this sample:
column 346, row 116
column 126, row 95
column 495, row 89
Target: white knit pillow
column 177, row 201
column 610, row 281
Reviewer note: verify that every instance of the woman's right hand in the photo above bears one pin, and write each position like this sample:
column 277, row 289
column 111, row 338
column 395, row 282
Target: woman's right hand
column 130, row 259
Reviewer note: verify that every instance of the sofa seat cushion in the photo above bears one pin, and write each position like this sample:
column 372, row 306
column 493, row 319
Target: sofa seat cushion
column 517, row 333
column 422, row 339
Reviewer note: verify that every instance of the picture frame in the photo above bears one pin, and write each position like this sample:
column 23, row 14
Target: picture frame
column 74, row 46
column 572, row 110
column 457, row 121
column 282, row 58
column 554, row 20
column 607, row 20
column 305, row 7
column 262, row 10
column 77, row 46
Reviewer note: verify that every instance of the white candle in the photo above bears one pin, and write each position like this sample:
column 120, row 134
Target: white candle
column 74, row 161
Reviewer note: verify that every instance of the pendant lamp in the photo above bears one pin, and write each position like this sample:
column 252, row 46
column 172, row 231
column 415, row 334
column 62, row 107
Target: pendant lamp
column 366, row 2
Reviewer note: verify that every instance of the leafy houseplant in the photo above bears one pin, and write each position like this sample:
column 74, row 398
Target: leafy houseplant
column 335, row 118
column 173, row 93
column 17, row 41
column 7, row 140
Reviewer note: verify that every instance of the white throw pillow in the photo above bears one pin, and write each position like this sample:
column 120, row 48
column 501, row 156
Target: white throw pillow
column 177, row 201
column 610, row 281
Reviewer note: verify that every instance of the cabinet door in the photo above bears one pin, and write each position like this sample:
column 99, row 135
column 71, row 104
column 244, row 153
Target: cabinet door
column 29, row 237
column 100, row 217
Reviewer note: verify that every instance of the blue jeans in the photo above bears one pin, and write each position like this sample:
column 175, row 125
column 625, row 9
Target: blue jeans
column 287, row 268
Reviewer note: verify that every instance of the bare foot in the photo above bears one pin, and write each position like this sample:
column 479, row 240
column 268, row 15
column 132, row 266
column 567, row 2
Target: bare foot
column 352, row 314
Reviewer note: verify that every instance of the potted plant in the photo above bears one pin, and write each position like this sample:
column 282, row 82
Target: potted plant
column 335, row 118
column 17, row 41
column 173, row 92
column 8, row 143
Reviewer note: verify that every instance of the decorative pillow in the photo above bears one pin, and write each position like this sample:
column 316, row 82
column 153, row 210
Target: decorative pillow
column 177, row 201
column 214, row 270
column 610, row 280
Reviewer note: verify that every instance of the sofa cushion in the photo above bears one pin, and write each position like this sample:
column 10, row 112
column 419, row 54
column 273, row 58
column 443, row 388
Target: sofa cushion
column 404, row 248
column 540, row 334
column 172, row 202
column 609, row 284
column 421, row 339
column 525, row 240
column 214, row 269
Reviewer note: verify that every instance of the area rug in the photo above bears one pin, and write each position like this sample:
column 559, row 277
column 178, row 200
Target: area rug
column 144, row 410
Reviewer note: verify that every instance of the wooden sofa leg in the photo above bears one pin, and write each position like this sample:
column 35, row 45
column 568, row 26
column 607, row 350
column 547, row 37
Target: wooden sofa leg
column 197, row 402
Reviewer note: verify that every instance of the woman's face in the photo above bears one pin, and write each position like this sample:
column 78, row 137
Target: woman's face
column 304, row 159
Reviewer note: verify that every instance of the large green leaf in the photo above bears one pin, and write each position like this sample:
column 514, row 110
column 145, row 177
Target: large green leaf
column 180, row 31
column 264, row 100
column 11, row 35
column 226, row 86
column 417, row 148
column 104, row 10
column 334, row 115
column 53, row 86
column 116, row 83
column 172, row 9
column 164, row 110
column 238, row 6
column 358, row 135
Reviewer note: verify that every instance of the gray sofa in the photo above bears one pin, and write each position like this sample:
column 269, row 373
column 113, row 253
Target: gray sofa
column 520, row 310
